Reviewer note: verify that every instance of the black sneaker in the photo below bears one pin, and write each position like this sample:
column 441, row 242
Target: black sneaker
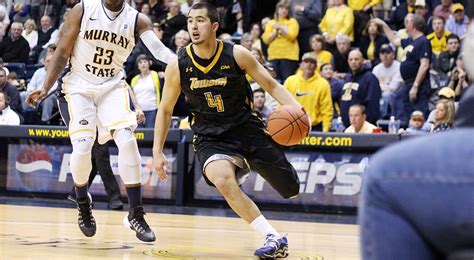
column 136, row 221
column 85, row 219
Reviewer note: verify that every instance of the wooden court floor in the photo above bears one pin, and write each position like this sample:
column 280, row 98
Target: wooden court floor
column 31, row 232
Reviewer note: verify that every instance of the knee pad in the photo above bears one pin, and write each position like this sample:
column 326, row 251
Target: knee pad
column 129, row 160
column 80, row 160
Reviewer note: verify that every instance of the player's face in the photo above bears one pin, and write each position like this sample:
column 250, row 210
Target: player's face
column 200, row 27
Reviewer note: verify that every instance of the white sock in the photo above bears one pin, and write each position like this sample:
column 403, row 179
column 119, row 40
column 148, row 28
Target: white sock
column 261, row 225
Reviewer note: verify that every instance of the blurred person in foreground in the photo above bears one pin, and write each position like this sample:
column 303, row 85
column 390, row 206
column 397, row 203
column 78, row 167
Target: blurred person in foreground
column 407, row 182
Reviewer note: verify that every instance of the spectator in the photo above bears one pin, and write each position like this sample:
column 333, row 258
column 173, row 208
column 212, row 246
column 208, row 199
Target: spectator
column 444, row 9
column 439, row 37
column 327, row 73
column 358, row 120
column 459, row 79
column 444, row 116
column 67, row 7
column 247, row 41
column 445, row 93
column 181, row 39
column 15, row 48
column 340, row 57
column 362, row 10
column 317, row 45
column 186, row 6
column 446, row 60
column 390, row 79
column 256, row 32
column 30, row 33
column 3, row 67
column 307, row 13
column 7, row 115
column 415, row 65
column 416, row 200
column 398, row 16
column 259, row 104
column 230, row 13
column 12, row 79
column 458, row 22
column 417, row 125
column 422, row 9
column 21, row 10
column 370, row 43
column 50, row 8
column 13, row 94
column 146, row 10
column 338, row 21
column 46, row 36
column 313, row 93
column 360, row 87
column 281, row 36
column 172, row 22
column 226, row 37
column 36, row 83
column 146, row 87
column 5, row 20
column 159, row 7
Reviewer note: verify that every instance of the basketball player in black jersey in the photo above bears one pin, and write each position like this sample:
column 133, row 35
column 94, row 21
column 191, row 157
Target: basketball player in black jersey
column 229, row 137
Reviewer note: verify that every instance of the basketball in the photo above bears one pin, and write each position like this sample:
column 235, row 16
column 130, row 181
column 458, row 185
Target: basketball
column 288, row 125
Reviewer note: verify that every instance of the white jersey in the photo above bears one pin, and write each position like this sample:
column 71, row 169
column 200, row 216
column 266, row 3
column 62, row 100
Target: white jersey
column 103, row 44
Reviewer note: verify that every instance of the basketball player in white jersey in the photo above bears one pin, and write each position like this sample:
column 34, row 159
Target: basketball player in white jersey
column 96, row 39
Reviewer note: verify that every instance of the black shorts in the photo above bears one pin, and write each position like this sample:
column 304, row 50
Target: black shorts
column 249, row 141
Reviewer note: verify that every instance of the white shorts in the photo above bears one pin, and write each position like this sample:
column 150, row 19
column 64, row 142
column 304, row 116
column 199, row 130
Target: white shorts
column 105, row 107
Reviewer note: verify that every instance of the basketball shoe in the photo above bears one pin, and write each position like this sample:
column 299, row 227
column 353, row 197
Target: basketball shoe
column 136, row 221
column 274, row 247
column 85, row 219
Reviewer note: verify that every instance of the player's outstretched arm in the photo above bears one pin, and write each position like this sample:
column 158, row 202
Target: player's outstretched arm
column 67, row 38
column 249, row 64
column 171, row 91
column 151, row 41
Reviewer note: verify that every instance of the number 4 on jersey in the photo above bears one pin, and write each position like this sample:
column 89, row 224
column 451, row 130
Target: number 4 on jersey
column 215, row 101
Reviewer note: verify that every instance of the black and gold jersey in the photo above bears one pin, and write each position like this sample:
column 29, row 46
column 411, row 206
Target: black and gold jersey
column 218, row 95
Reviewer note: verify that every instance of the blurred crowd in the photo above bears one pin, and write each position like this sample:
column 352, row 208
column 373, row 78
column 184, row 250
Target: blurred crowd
column 356, row 66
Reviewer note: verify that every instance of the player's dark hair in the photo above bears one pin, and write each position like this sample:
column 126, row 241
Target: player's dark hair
column 211, row 11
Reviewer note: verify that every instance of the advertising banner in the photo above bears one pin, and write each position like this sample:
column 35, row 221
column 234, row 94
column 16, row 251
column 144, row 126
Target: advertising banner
column 45, row 168
column 326, row 178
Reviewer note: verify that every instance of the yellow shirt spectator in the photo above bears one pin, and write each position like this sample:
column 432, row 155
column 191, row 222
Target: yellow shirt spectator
column 282, row 46
column 358, row 5
column 338, row 20
column 438, row 45
column 323, row 57
column 313, row 93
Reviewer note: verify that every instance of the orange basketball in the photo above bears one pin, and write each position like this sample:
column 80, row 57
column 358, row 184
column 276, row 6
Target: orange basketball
column 288, row 125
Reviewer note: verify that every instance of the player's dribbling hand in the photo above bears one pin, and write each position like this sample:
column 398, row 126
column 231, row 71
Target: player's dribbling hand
column 161, row 166
column 141, row 119
column 34, row 97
